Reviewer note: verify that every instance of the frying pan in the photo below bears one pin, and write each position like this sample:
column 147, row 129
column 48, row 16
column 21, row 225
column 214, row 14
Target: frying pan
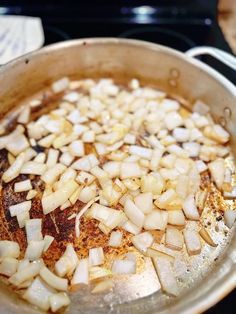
column 212, row 274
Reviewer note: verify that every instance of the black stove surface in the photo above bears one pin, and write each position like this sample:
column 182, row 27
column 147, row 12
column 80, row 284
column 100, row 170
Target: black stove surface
column 179, row 24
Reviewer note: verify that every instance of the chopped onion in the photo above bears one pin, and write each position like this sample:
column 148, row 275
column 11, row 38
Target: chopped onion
column 120, row 267
column 81, row 274
column 76, row 148
column 115, row 239
column 34, row 250
column 181, row 134
column 156, row 220
column 206, row 236
column 52, row 280
column 142, row 241
column 85, row 178
column 201, row 166
column 9, row 249
column 47, row 140
column 41, row 157
column 130, row 170
column 155, row 253
column 135, row 215
column 60, row 85
column 200, row 107
column 166, row 275
column 66, row 159
column 32, row 167
column 8, row 266
column 47, row 242
column 24, row 115
column 22, row 186
column 19, row 208
column 52, row 158
column 192, row 148
column 33, row 228
column 31, row 194
column 144, row 201
column 96, row 256
column 59, row 197
column 174, row 239
column 230, row 217
column 103, row 286
column 217, row 170
column 182, row 186
column 165, row 198
column 141, row 151
column 58, row 301
column 87, row 194
column 112, row 168
column 22, row 217
column 14, row 170
column 176, row 217
column 173, row 120
column 52, row 174
column 152, row 183
column 131, row 227
column 25, row 274
column 168, row 161
column 192, row 242
column 17, row 144
column 38, row 294
column 190, row 209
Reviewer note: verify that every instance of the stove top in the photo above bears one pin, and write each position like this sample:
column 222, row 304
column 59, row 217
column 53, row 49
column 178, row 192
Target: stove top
column 179, row 24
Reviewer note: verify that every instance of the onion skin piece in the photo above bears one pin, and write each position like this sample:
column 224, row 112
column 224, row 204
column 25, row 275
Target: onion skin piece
column 205, row 235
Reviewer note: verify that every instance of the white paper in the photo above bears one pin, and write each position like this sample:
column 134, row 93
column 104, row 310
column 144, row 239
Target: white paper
column 19, row 35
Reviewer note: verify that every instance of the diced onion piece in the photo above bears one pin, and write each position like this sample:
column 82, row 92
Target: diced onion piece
column 85, row 163
column 174, row 239
column 168, row 161
column 115, row 239
column 156, row 157
column 181, row 134
column 206, row 236
column 142, row 241
column 47, row 140
column 52, row 174
column 85, row 178
column 52, row 280
column 52, row 158
column 23, row 264
column 41, row 157
column 14, row 170
column 9, row 249
column 59, row 300
column 17, row 144
column 152, row 183
column 192, row 148
column 87, row 194
column 182, row 187
column 106, row 230
column 155, row 253
column 231, row 194
column 201, row 166
column 120, row 267
column 47, row 242
column 131, row 227
column 103, row 286
column 173, row 120
column 166, row 275
column 33, row 228
column 22, row 186
column 60, row 85
column 140, row 151
column 32, row 167
column 8, row 266
column 59, row 197
column 130, row 170
column 130, row 139
column 34, row 250
column 112, row 168
column 156, row 220
column 217, row 133
column 144, row 202
column 135, row 215
column 192, row 242
column 66, row 159
column 39, row 293
column 167, row 197
column 217, row 170
column 22, row 217
column 24, row 115
column 230, row 217
column 96, row 256
column 176, row 217
column 76, row 148
column 201, row 108
column 81, row 274
column 101, row 149
column 68, row 262
column 31, row 194
column 25, row 274
column 19, row 208
column 88, row 136
column 190, row 209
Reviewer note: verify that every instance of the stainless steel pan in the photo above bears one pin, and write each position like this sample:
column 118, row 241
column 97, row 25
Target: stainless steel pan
column 179, row 75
